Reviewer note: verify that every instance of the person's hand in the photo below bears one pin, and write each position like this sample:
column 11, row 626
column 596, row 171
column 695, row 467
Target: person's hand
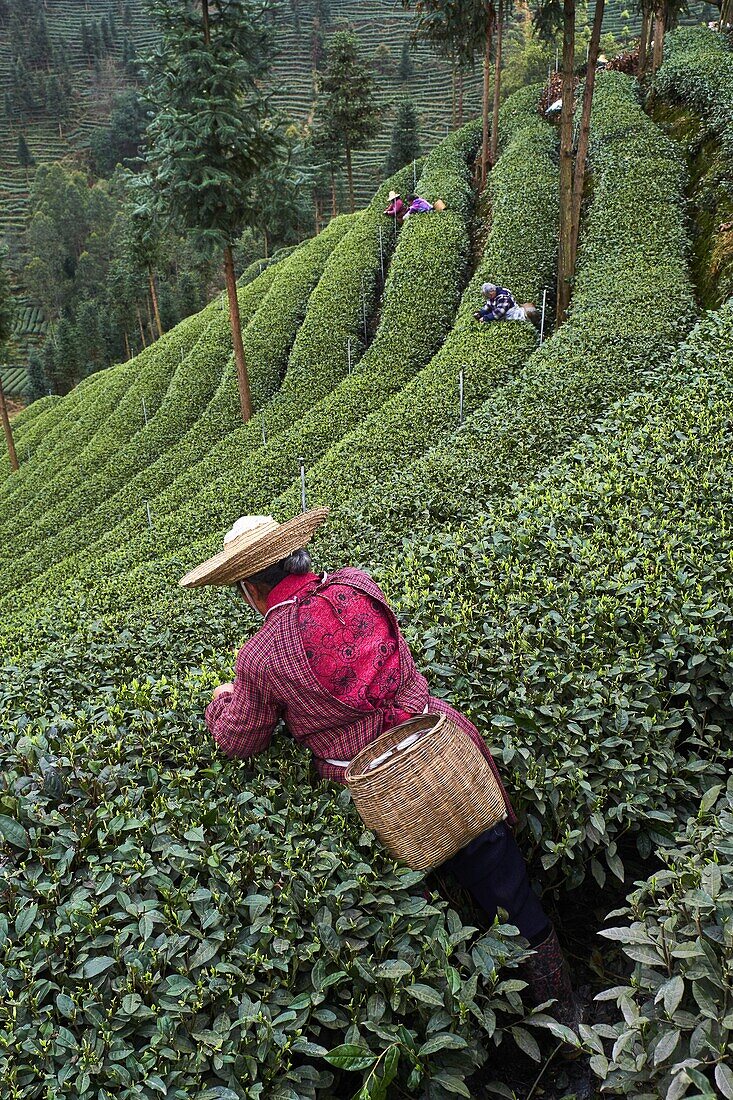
column 221, row 689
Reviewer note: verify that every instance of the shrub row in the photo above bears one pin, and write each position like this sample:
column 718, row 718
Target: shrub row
column 586, row 625
column 698, row 69
column 416, row 314
column 59, row 463
column 353, row 267
column 420, row 298
column 272, row 308
column 632, row 301
column 187, row 386
column 519, row 253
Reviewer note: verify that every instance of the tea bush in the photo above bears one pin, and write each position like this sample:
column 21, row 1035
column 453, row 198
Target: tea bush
column 272, row 310
column 586, row 624
column 675, row 1037
column 698, row 69
column 417, row 313
column 519, row 253
column 614, row 337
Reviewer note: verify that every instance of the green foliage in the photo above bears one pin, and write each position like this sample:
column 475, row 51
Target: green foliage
column 6, row 305
column 405, row 145
column 212, row 130
column 121, row 141
column 635, row 224
column 201, row 909
column 519, row 253
column 675, row 1037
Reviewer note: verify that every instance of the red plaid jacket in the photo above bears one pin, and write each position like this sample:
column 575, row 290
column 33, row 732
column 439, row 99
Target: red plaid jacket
column 274, row 681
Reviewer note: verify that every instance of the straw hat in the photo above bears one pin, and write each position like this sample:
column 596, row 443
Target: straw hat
column 392, row 195
column 439, row 205
column 253, row 543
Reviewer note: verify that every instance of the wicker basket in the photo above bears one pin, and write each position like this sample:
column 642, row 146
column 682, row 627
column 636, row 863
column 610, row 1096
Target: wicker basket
column 428, row 799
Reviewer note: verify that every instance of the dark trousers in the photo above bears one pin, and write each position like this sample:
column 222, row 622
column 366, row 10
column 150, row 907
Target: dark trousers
column 493, row 870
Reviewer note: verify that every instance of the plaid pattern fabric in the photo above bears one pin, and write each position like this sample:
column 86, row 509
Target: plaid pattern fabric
column 502, row 303
column 274, row 680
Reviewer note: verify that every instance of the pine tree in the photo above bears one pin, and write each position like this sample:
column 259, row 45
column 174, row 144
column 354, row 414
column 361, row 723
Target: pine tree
column 405, row 145
column 206, row 77
column 87, row 44
column 106, row 33
column 406, row 68
column 348, row 110
column 127, row 18
column 97, row 41
column 24, row 155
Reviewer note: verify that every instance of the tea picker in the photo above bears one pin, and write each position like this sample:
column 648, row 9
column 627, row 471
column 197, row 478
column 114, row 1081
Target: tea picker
column 501, row 305
column 329, row 660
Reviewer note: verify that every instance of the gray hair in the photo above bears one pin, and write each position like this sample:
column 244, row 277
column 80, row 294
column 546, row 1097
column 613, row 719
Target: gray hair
column 487, row 288
column 297, row 563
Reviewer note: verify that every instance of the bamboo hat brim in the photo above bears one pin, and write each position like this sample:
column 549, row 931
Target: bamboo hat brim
column 392, row 195
column 268, row 543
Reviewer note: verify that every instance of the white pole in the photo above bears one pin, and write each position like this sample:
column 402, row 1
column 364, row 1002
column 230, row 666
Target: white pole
column 544, row 306
column 264, row 436
column 348, row 353
column 302, row 485
column 363, row 307
column 381, row 252
column 460, row 395
column 414, row 175
column 150, row 521
column 145, row 413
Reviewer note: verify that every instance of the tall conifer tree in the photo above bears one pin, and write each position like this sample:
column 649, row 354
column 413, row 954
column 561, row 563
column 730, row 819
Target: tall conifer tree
column 347, row 110
column 213, row 131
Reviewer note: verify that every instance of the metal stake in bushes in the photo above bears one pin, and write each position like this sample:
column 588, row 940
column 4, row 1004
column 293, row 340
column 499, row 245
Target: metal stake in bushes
column 460, row 396
column 150, row 518
column 145, row 413
column 303, row 503
column 544, row 307
column 264, row 436
column 348, row 353
column 381, row 252
column 414, row 175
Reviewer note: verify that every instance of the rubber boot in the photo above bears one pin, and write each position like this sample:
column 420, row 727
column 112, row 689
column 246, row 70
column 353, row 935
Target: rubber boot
column 548, row 978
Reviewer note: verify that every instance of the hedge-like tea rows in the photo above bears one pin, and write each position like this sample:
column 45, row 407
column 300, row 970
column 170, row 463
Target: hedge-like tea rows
column 272, row 310
column 416, row 315
column 519, row 253
column 631, row 303
column 180, row 374
column 698, row 69
column 353, row 267
column 420, row 299
column 586, row 625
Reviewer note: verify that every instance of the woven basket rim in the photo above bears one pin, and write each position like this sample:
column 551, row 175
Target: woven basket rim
column 370, row 749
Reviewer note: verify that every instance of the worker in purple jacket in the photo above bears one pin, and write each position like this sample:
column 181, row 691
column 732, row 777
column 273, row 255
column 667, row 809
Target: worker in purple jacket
column 416, row 205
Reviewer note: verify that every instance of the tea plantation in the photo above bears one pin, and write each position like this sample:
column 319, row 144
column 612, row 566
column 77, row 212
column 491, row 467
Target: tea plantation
column 177, row 924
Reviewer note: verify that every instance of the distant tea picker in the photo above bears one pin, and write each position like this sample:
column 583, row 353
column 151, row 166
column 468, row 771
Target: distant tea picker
column 501, row 305
column 330, row 663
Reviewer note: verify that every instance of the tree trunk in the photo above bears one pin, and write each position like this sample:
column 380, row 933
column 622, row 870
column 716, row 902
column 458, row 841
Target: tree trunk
column 581, row 155
column 266, row 242
column 127, row 346
column 460, row 96
column 154, row 296
column 140, row 326
column 205, row 19
column 497, row 83
column 334, row 209
column 245, row 399
column 8, row 431
column 564, row 262
column 487, row 82
column 660, row 19
column 643, row 42
column 350, row 176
